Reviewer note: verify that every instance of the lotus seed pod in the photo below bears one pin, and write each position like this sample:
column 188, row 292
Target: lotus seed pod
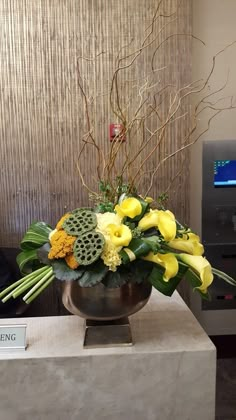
column 88, row 247
column 80, row 221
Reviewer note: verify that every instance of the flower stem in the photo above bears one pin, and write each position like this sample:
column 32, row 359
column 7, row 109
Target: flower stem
column 38, row 284
column 46, row 284
column 22, row 287
column 22, row 280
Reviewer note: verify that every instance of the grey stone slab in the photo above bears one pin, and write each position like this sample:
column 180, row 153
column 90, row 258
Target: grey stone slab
column 168, row 374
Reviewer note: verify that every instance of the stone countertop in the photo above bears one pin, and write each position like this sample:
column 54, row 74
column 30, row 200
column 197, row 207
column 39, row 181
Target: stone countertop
column 169, row 373
column 163, row 325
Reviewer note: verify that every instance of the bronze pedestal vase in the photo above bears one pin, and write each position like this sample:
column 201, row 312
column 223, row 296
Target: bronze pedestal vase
column 106, row 310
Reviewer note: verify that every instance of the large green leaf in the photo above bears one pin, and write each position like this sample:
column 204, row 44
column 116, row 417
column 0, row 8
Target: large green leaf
column 28, row 261
column 139, row 270
column 195, row 282
column 36, row 236
column 153, row 242
column 224, row 276
column 115, row 279
column 138, row 247
column 167, row 288
column 63, row 272
column 93, row 274
column 42, row 254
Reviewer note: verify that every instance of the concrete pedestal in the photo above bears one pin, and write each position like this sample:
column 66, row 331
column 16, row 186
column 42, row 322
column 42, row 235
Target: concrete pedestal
column 169, row 373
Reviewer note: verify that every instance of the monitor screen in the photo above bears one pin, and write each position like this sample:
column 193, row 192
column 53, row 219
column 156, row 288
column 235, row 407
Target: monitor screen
column 225, row 173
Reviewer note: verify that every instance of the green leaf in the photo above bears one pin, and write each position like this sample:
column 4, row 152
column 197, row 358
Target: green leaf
column 154, row 243
column 195, row 282
column 27, row 261
column 167, row 288
column 138, row 247
column 93, row 274
column 63, row 272
column 36, row 236
column 42, row 254
column 139, row 270
column 115, row 279
column 224, row 276
column 104, row 207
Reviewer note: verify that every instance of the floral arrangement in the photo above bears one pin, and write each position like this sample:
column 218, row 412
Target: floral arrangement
column 133, row 240
column 126, row 237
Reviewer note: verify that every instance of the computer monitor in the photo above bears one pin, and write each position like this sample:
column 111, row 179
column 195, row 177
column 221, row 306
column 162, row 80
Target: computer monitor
column 224, row 173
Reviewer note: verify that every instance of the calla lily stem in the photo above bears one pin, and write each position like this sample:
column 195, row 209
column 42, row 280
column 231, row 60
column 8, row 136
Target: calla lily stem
column 38, row 284
column 22, row 280
column 46, row 284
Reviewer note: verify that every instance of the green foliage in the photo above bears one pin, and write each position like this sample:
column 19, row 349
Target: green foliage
column 136, row 233
column 42, row 254
column 162, row 200
column 63, row 272
column 115, row 279
column 195, row 281
column 36, row 236
column 154, row 243
column 139, row 270
column 93, row 274
column 104, row 187
column 224, row 276
column 135, row 272
column 138, row 247
column 167, row 288
column 104, row 207
column 28, row 261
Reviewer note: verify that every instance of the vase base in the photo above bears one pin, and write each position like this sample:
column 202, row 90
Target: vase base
column 107, row 333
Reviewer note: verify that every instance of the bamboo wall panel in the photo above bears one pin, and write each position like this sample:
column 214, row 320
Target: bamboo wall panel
column 42, row 113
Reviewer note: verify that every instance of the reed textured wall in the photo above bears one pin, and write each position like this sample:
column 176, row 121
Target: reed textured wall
column 42, row 114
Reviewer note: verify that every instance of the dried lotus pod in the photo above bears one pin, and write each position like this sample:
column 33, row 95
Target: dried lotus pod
column 80, row 221
column 88, row 247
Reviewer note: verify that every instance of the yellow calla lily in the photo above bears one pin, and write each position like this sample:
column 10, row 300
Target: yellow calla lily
column 189, row 243
column 149, row 220
column 202, row 268
column 168, row 261
column 167, row 225
column 149, row 200
column 120, row 235
column 130, row 207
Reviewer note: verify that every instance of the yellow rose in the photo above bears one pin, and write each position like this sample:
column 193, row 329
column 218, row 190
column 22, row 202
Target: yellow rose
column 168, row 261
column 120, row 235
column 130, row 207
column 189, row 243
column 202, row 267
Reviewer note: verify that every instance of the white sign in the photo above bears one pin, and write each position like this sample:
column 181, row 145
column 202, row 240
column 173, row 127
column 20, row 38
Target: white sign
column 13, row 336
